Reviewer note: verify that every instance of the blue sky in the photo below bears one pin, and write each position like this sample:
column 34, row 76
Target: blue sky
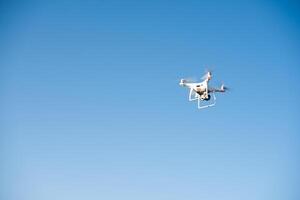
column 92, row 109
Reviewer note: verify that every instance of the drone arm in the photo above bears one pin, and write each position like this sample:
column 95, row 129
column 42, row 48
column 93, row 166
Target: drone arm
column 216, row 90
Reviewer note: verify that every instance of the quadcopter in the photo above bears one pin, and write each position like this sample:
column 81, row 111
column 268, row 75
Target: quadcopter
column 201, row 92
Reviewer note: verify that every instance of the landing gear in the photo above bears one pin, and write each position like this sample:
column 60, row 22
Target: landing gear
column 202, row 97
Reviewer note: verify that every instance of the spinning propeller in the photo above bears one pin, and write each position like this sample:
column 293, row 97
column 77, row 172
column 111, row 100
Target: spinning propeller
column 224, row 88
column 207, row 75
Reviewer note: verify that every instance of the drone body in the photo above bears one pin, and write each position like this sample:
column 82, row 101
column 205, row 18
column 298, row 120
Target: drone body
column 201, row 91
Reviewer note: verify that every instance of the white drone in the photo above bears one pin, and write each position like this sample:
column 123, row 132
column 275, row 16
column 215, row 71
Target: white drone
column 200, row 91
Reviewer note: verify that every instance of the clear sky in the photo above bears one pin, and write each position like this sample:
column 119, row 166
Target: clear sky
column 91, row 107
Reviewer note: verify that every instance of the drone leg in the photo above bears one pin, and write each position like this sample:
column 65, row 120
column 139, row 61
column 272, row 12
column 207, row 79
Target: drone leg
column 215, row 100
column 199, row 104
column 190, row 96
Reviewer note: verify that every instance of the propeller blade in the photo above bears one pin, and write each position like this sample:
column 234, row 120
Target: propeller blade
column 190, row 80
column 207, row 75
column 224, row 88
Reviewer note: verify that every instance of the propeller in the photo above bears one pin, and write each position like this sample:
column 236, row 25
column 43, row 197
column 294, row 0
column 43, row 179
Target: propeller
column 224, row 88
column 207, row 75
column 188, row 80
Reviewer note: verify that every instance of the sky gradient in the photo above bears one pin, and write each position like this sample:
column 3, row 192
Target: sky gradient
column 91, row 107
